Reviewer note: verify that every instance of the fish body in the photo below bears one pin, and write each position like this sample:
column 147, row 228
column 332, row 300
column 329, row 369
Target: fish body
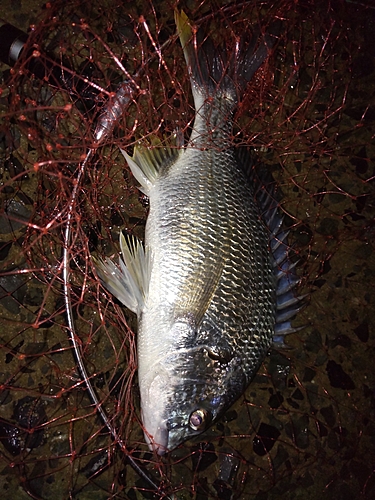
column 204, row 286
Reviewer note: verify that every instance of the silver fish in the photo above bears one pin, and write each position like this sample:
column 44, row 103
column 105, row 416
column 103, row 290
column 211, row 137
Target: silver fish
column 205, row 284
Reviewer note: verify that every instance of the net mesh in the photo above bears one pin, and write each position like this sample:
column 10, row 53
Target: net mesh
column 305, row 426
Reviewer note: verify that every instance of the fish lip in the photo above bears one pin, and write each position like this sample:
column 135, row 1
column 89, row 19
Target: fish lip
column 153, row 403
column 158, row 442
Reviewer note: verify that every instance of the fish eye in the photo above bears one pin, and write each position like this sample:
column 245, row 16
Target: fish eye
column 221, row 355
column 199, row 419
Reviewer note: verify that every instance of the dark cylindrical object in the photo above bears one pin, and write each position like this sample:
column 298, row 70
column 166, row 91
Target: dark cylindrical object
column 12, row 48
column 12, row 41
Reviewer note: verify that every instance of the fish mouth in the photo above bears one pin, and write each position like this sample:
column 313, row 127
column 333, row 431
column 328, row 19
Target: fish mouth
column 158, row 440
column 153, row 409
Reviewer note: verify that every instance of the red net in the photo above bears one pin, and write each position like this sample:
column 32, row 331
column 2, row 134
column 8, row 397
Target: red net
column 305, row 426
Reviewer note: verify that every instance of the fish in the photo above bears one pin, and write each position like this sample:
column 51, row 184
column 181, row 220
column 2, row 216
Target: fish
column 212, row 286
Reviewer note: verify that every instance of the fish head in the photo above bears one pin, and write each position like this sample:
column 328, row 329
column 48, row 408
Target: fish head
column 184, row 393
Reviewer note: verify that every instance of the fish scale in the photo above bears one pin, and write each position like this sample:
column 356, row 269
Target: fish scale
column 204, row 288
column 245, row 295
column 196, row 213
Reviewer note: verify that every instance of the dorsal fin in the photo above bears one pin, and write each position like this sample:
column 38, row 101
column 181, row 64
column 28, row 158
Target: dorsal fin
column 268, row 197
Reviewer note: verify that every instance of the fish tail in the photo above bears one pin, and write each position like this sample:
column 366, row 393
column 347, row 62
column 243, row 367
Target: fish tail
column 217, row 72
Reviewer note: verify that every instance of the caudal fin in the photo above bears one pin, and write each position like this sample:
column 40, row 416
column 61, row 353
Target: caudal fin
column 216, row 71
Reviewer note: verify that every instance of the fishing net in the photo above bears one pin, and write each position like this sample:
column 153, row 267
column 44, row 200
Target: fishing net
column 305, row 427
